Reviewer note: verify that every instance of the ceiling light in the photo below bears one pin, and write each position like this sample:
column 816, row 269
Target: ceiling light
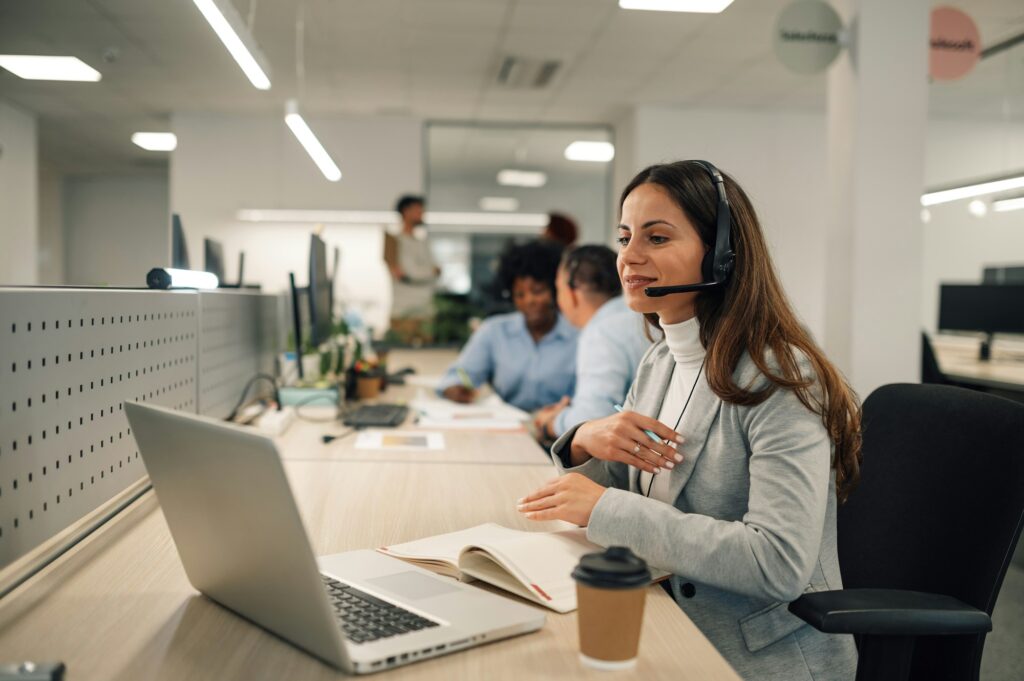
column 486, row 219
column 600, row 152
column 232, row 31
column 966, row 191
column 703, row 6
column 309, row 141
column 1004, row 205
column 32, row 67
column 499, row 203
column 977, row 208
column 522, row 178
column 155, row 141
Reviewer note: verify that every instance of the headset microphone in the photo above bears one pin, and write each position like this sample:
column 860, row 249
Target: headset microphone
column 718, row 263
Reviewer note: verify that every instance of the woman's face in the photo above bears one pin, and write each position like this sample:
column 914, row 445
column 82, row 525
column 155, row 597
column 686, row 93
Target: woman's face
column 658, row 246
column 533, row 298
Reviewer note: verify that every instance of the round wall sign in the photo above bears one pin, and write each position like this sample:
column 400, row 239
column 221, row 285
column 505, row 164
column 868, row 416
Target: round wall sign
column 807, row 36
column 955, row 44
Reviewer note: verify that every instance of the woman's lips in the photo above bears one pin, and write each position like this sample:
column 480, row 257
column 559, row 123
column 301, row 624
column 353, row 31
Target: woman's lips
column 634, row 282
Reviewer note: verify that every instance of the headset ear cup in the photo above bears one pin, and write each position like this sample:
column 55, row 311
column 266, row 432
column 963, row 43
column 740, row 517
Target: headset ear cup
column 707, row 266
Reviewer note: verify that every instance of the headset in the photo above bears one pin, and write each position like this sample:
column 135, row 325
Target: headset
column 718, row 263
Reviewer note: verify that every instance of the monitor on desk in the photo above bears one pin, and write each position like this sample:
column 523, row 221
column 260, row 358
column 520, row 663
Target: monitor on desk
column 179, row 248
column 320, row 296
column 213, row 258
column 1006, row 274
column 989, row 308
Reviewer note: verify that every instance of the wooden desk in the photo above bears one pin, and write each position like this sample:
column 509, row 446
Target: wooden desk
column 958, row 360
column 118, row 605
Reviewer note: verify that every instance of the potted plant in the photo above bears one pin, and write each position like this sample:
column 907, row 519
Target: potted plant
column 368, row 374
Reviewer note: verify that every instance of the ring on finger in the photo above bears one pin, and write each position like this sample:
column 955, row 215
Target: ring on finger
column 636, row 447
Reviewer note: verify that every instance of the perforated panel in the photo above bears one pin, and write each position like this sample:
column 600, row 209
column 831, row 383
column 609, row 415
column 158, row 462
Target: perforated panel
column 237, row 341
column 68, row 360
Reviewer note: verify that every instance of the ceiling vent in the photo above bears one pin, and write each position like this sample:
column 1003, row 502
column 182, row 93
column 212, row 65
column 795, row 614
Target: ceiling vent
column 526, row 73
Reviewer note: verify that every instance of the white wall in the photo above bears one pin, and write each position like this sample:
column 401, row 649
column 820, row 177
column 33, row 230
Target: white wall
column 115, row 229
column 18, row 191
column 778, row 157
column 51, row 226
column 226, row 162
column 958, row 245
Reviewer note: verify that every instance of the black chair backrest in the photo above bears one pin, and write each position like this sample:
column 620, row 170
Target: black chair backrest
column 930, row 371
column 940, row 505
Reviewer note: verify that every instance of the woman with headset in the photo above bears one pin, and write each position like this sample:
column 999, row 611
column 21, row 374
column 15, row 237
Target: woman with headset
column 737, row 440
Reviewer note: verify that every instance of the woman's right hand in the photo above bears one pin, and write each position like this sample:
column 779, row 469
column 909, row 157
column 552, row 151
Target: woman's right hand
column 621, row 437
column 459, row 393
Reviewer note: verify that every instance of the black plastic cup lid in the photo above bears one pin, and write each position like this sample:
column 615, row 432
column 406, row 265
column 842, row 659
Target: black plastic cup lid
column 614, row 568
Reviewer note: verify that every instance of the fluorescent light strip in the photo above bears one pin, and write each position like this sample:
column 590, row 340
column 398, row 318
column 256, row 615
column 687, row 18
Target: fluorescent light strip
column 522, row 178
column 972, row 190
column 32, row 67
column 598, row 152
column 701, row 6
column 156, row 141
column 191, row 279
column 309, row 141
column 499, row 203
column 1005, row 205
column 232, row 31
column 371, row 217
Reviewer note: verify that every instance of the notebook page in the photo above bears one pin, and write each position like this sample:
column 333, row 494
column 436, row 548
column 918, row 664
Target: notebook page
column 444, row 548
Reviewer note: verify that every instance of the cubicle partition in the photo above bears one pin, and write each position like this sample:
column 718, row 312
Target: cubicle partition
column 69, row 359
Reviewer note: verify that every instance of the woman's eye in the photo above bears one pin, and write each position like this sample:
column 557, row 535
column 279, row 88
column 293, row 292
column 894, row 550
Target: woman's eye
column 623, row 240
column 655, row 239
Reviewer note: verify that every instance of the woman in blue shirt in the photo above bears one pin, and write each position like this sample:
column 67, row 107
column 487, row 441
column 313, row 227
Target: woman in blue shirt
column 528, row 356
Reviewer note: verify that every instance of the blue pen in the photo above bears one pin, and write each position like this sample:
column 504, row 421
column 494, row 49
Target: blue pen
column 651, row 435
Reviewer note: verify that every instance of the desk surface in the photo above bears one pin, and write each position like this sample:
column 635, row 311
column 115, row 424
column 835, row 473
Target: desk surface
column 958, row 360
column 118, row 606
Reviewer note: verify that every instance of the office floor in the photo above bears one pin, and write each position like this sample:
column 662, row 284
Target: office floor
column 1003, row 658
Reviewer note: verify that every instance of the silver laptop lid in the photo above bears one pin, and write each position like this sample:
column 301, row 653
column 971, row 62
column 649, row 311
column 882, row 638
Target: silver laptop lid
column 234, row 521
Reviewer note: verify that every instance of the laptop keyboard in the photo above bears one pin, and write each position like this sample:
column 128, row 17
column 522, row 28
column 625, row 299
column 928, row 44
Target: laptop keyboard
column 364, row 618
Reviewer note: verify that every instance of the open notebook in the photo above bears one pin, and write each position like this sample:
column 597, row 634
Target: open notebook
column 535, row 565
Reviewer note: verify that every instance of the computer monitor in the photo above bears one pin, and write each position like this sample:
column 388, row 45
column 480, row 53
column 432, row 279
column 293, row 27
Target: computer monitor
column 300, row 319
column 1012, row 274
column 179, row 247
column 319, row 292
column 989, row 308
column 213, row 258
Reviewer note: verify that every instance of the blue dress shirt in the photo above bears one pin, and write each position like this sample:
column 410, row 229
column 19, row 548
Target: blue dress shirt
column 524, row 373
column 611, row 345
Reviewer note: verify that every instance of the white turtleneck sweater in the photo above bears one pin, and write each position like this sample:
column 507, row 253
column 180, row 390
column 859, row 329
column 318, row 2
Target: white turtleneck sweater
column 683, row 340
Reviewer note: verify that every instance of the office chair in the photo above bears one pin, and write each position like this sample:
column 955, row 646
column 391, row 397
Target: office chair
column 930, row 371
column 925, row 540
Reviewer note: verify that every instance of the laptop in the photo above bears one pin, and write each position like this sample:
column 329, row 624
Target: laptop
column 241, row 540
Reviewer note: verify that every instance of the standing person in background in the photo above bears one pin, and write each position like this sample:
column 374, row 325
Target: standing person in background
column 611, row 343
column 561, row 229
column 528, row 356
column 413, row 275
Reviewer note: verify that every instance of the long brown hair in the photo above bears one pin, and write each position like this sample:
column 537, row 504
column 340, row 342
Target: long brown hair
column 751, row 314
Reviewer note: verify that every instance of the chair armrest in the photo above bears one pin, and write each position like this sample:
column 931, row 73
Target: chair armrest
column 889, row 612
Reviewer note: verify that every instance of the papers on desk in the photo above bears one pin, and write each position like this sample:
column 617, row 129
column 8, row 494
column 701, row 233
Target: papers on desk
column 400, row 440
column 428, row 381
column 488, row 413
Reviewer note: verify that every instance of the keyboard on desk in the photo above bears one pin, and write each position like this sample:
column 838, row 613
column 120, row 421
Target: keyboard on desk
column 365, row 618
column 376, row 416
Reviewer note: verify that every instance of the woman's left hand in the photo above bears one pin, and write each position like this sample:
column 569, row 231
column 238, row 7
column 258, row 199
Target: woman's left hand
column 570, row 497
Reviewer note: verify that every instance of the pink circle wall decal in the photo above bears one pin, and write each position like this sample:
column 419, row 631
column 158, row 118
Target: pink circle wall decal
column 955, row 44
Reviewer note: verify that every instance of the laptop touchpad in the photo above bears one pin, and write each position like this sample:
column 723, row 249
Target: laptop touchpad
column 412, row 585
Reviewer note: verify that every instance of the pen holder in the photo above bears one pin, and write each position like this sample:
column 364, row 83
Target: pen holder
column 367, row 387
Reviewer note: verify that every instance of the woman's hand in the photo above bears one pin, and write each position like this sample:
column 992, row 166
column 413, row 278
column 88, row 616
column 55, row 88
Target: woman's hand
column 621, row 437
column 571, row 498
column 460, row 393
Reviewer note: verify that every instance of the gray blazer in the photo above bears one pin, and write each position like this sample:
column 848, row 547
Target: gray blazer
column 753, row 525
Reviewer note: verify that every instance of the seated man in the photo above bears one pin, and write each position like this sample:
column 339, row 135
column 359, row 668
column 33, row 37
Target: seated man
column 610, row 346
column 528, row 356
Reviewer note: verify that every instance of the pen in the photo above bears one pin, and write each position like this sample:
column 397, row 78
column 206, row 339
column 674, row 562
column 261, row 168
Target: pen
column 464, row 377
column 651, row 435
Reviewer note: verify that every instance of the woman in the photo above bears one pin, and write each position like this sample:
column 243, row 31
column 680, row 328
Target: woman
column 528, row 356
column 758, row 434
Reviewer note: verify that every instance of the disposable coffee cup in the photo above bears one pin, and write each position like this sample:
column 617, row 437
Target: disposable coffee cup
column 610, row 590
